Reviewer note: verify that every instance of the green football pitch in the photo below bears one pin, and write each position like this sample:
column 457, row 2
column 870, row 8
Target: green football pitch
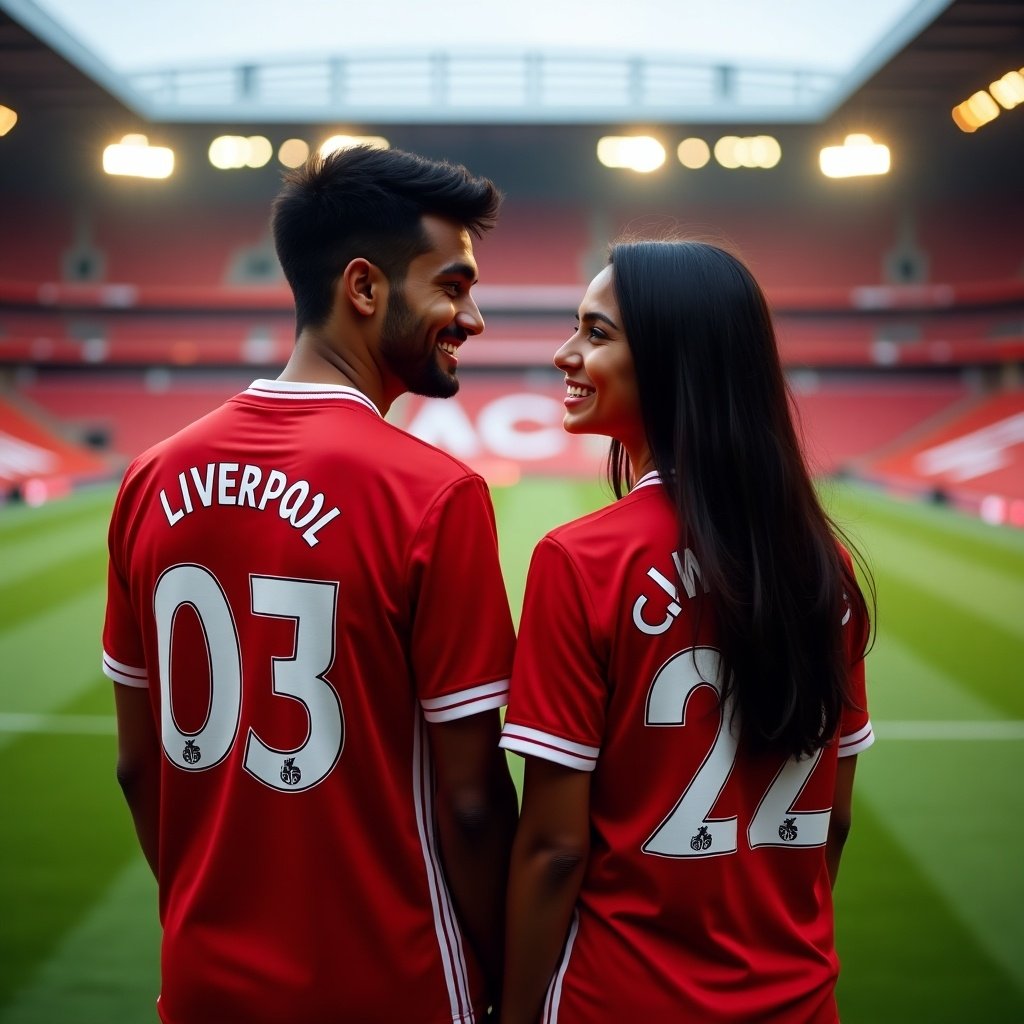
column 930, row 903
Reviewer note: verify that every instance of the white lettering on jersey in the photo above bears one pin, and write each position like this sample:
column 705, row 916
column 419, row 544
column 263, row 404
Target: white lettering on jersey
column 218, row 483
column 688, row 572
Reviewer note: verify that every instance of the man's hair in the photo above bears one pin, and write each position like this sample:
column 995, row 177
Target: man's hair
column 368, row 203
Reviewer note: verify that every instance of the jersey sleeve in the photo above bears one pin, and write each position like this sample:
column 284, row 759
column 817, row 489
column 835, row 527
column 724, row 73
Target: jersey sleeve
column 123, row 658
column 559, row 689
column 462, row 634
column 855, row 732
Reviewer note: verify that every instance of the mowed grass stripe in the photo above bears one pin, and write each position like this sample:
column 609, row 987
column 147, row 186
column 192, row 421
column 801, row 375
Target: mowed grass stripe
column 905, row 955
column 106, row 967
column 19, row 522
column 52, row 658
column 903, row 686
column 968, row 646
column 26, row 559
column 69, row 834
column 863, row 509
column 51, row 587
column 952, row 576
column 951, row 808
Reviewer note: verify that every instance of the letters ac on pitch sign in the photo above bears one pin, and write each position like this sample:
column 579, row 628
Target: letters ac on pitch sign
column 490, row 420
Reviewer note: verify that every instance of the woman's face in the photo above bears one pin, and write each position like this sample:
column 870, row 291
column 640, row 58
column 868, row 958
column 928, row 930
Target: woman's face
column 600, row 379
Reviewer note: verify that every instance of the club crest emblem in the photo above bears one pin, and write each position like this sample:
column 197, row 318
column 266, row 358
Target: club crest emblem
column 701, row 841
column 291, row 774
column 788, row 830
column 191, row 754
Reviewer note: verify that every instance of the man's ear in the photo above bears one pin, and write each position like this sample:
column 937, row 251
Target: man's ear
column 363, row 286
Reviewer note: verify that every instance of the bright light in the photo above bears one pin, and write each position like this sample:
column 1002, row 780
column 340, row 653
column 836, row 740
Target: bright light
column 228, row 152
column 694, row 153
column 1009, row 90
column 293, row 152
column 765, row 151
column 976, row 111
column 856, row 157
column 726, row 151
column 260, row 151
column 8, row 119
column 731, row 151
column 632, row 152
column 134, row 157
column 336, row 142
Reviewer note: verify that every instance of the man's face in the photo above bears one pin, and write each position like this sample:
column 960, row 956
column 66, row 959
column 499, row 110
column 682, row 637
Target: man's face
column 432, row 313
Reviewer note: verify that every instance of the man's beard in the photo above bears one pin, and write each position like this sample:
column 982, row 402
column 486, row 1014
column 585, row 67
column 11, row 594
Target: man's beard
column 402, row 343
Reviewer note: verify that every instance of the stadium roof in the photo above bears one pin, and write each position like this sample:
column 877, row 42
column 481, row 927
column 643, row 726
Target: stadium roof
column 531, row 61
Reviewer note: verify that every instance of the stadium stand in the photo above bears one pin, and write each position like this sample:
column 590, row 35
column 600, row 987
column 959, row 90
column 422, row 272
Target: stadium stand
column 112, row 292
column 974, row 458
column 36, row 463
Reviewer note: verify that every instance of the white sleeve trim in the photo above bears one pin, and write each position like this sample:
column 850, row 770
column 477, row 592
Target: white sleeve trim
column 857, row 741
column 535, row 742
column 129, row 675
column 464, row 703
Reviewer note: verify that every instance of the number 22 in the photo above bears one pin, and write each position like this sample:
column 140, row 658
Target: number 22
column 688, row 830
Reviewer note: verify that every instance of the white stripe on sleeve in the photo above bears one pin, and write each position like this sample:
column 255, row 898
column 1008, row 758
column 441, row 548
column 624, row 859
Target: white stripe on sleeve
column 856, row 742
column 466, row 702
column 129, row 675
column 535, row 742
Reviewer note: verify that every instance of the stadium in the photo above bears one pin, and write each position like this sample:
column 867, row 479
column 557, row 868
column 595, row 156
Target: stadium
column 878, row 202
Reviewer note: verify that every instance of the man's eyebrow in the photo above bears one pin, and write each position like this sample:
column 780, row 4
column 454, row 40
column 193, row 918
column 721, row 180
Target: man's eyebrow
column 459, row 269
column 600, row 316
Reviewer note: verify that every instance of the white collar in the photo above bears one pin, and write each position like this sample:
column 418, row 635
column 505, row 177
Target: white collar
column 647, row 480
column 292, row 389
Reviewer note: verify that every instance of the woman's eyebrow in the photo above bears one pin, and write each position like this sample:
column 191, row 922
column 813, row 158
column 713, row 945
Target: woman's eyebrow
column 599, row 316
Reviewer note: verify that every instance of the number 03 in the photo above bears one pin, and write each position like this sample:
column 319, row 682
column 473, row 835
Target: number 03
column 313, row 606
column 688, row 830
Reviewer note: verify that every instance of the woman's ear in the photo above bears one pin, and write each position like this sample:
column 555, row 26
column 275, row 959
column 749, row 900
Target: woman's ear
column 361, row 286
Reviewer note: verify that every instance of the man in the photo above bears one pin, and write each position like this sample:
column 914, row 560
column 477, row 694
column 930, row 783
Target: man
column 308, row 628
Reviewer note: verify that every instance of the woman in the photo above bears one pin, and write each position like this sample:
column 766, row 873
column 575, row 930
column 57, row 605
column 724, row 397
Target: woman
column 688, row 688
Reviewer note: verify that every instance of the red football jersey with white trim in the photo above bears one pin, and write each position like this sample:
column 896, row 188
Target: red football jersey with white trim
column 302, row 586
column 706, row 895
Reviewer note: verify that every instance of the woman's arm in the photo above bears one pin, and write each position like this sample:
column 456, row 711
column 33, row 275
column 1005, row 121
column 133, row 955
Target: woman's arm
column 842, row 815
column 549, row 857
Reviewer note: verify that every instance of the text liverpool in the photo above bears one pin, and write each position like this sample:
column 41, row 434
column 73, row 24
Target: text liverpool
column 228, row 483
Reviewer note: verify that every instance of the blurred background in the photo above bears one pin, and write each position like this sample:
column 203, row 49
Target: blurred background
column 868, row 165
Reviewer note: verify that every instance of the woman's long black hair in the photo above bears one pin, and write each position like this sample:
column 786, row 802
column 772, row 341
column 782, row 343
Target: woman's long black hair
column 716, row 412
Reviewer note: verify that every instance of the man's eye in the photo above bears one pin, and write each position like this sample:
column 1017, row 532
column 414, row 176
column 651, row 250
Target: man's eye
column 453, row 288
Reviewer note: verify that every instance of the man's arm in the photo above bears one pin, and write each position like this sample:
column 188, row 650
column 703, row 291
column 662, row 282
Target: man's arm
column 549, row 857
column 842, row 815
column 476, row 818
column 138, row 765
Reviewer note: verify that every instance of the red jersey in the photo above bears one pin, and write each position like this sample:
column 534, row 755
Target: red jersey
column 706, row 895
column 302, row 586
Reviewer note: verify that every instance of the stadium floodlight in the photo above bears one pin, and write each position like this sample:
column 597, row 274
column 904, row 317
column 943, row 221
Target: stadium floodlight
column 693, row 153
column 1009, row 90
column 260, row 151
column 639, row 153
column 229, row 152
column 970, row 115
column 8, row 119
column 733, row 151
column 857, row 157
column 293, row 152
column 134, row 157
column 336, row 142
